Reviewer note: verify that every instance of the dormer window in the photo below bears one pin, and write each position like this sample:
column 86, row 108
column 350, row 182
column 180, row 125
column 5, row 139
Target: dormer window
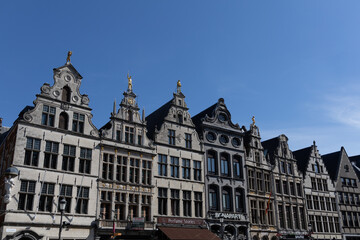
column 180, row 102
column 180, row 118
column 63, row 120
column 66, row 94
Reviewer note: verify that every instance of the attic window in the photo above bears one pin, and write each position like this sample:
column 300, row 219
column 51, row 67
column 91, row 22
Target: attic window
column 180, row 103
column 66, row 93
column 180, row 118
column 346, row 167
column 63, row 120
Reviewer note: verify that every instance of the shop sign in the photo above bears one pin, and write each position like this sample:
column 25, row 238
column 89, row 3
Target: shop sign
column 138, row 223
column 233, row 216
column 183, row 221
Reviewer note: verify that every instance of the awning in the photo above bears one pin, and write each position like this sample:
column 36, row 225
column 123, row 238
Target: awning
column 188, row 233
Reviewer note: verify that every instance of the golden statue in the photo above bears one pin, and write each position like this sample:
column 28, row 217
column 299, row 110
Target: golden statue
column 178, row 83
column 69, row 55
column 253, row 119
column 129, row 82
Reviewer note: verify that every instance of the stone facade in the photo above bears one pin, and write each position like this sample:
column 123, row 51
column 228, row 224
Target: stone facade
column 320, row 194
column 260, row 188
column 224, row 175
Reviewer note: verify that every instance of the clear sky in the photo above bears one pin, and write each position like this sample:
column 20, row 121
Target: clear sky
column 295, row 65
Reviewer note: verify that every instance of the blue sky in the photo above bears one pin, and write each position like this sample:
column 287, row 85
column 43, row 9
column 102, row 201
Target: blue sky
column 295, row 65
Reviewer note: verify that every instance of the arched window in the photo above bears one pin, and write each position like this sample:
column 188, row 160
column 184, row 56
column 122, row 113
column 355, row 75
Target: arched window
column 257, row 157
column 66, row 94
column 63, row 120
column 239, row 200
column 212, row 162
column 226, row 199
column 213, row 198
column 237, row 166
column 225, row 166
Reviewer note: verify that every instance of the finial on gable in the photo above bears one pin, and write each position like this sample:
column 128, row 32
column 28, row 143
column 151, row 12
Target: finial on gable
column 68, row 56
column 253, row 120
column 178, row 86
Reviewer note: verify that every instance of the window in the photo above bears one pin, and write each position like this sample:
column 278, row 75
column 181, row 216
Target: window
column 289, row 168
column 66, row 193
column 278, row 186
column 333, row 204
column 197, row 170
column 134, row 170
column 108, row 166
column 121, row 168
column 224, row 160
column 237, row 166
column 254, row 217
column 162, row 164
column 187, row 203
column 171, row 137
column 82, row 200
column 282, row 166
column 162, row 201
column 337, row 225
column 139, row 140
column 317, row 168
column 319, row 226
column 319, row 184
column 331, row 224
column 68, row 162
column 186, row 169
column 174, row 167
column 175, row 202
column 198, row 204
column 251, row 179
column 180, row 117
column 239, row 206
column 188, row 140
column 259, row 181
column 267, row 182
column 316, row 203
column 309, row 201
column 299, row 189
column 213, row 198
column 226, row 199
column 288, row 217
column 328, row 204
column 120, row 199
column 146, row 208
column 133, row 205
column 66, row 94
column 32, row 151
column 105, row 204
column 46, row 197
column 257, row 157
column 292, row 188
column 211, row 163
column 26, row 195
column 303, row 217
column 85, row 161
column 312, row 222
column 341, row 199
column 48, row 116
column 322, row 203
column 281, row 216
column 262, row 212
column 146, row 172
column 118, row 135
column 313, row 184
column 78, row 122
column 296, row 218
column 353, row 183
column 63, row 121
column 129, row 135
column 270, row 213
column 325, row 185
column 51, row 154
column 285, row 187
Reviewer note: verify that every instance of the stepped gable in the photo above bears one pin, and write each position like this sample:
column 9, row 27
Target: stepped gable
column 332, row 163
column 302, row 157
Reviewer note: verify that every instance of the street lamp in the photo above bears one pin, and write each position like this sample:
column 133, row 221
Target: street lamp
column 310, row 230
column 62, row 205
column 222, row 226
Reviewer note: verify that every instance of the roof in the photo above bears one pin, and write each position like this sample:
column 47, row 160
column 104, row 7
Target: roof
column 188, row 233
column 198, row 117
column 332, row 163
column 156, row 119
column 270, row 147
column 355, row 162
column 302, row 157
column 27, row 108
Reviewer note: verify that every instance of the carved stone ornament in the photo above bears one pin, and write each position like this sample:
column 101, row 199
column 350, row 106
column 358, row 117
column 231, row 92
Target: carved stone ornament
column 67, row 78
column 65, row 106
column 28, row 117
column 93, row 133
column 85, row 100
column 75, row 98
column 45, row 89
column 56, row 93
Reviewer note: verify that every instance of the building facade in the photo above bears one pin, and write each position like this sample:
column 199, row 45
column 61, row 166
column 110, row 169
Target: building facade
column 322, row 212
column 225, row 180
column 179, row 166
column 347, row 190
column 260, row 189
column 55, row 147
column 126, row 186
column 288, row 196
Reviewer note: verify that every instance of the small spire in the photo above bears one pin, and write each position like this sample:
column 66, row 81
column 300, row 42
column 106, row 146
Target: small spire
column 114, row 109
column 178, row 86
column 68, row 57
column 143, row 114
column 129, row 82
